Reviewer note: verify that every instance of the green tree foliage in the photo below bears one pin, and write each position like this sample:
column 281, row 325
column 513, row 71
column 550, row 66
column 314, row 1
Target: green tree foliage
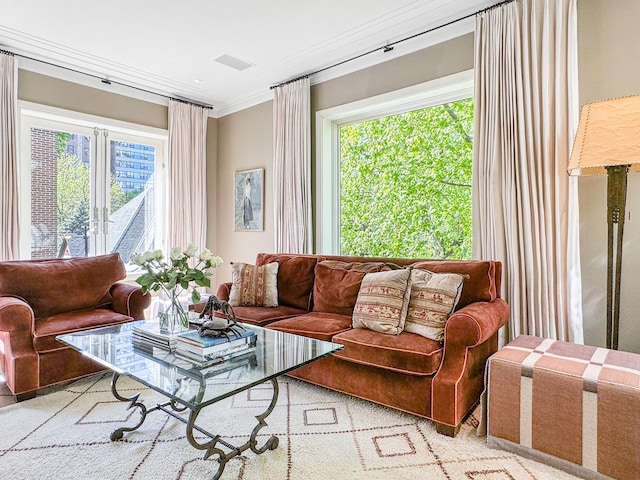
column 73, row 192
column 405, row 184
column 62, row 138
column 74, row 195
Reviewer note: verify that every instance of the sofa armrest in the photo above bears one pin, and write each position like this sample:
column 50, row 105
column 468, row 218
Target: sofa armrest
column 475, row 323
column 17, row 325
column 470, row 337
column 129, row 300
column 224, row 291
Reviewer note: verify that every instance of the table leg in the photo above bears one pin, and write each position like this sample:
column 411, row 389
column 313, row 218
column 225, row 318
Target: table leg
column 212, row 448
column 133, row 402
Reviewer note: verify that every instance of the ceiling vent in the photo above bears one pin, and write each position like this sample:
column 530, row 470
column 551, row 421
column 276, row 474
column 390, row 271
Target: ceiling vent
column 233, row 62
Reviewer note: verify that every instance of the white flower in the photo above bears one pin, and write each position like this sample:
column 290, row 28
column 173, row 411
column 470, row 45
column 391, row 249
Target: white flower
column 191, row 250
column 176, row 253
column 216, row 261
column 159, row 274
column 205, row 255
column 148, row 256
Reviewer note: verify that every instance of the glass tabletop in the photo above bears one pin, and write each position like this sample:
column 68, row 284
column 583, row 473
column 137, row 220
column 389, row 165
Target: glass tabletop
column 274, row 354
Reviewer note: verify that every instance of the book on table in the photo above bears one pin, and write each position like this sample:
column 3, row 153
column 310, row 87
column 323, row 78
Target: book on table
column 149, row 332
column 198, row 361
column 193, row 343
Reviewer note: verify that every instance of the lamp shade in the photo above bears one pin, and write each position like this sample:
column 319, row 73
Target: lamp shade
column 608, row 135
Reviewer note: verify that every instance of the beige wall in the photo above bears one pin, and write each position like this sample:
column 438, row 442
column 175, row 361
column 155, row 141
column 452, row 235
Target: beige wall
column 245, row 138
column 212, row 190
column 609, row 66
column 45, row 90
column 245, row 141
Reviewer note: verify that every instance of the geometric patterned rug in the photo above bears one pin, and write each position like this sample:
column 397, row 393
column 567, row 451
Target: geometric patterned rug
column 323, row 435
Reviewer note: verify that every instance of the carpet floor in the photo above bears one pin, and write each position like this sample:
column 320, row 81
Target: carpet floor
column 323, row 435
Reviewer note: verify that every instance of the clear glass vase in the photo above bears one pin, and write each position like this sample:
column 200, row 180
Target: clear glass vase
column 172, row 315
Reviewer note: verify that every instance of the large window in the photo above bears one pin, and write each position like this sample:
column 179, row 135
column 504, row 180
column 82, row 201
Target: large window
column 405, row 184
column 83, row 195
column 394, row 173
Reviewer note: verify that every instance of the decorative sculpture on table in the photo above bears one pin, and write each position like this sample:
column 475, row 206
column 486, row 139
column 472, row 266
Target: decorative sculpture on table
column 216, row 326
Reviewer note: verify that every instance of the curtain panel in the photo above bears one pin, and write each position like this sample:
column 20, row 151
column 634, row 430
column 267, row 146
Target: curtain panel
column 9, row 224
column 292, row 167
column 187, row 175
column 525, row 204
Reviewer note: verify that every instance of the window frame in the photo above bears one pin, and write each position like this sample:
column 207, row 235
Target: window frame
column 453, row 87
column 42, row 116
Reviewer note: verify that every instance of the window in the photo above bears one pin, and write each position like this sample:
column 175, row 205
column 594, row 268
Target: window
column 394, row 173
column 80, row 204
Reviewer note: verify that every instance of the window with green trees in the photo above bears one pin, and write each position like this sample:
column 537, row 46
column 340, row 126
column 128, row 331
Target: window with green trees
column 405, row 184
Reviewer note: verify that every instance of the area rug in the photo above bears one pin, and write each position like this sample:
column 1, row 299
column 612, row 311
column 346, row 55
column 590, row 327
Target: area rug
column 323, row 435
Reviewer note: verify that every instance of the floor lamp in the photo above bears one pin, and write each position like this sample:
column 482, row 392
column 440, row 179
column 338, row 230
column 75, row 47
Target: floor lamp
column 608, row 141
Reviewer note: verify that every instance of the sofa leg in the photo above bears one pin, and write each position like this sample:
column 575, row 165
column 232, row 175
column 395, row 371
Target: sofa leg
column 21, row 397
column 447, row 430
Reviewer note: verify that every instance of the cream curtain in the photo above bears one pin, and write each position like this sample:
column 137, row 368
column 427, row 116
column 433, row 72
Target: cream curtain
column 9, row 226
column 291, row 168
column 525, row 204
column 187, row 175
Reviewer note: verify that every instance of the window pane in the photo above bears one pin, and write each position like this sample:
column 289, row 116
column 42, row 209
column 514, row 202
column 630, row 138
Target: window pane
column 405, row 184
column 60, row 193
column 131, row 225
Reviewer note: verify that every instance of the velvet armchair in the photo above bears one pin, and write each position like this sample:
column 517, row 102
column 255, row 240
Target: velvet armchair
column 40, row 299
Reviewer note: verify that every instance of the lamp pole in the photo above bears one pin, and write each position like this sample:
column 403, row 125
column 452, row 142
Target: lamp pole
column 616, row 200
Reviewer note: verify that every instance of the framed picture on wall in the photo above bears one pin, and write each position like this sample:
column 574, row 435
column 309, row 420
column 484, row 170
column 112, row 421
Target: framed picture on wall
column 248, row 200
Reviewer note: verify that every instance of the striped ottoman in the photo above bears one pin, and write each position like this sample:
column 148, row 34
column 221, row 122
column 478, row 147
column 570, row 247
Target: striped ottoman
column 575, row 407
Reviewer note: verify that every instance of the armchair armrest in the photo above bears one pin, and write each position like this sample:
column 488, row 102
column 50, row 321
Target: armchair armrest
column 17, row 325
column 129, row 300
column 16, row 319
column 470, row 337
column 223, row 292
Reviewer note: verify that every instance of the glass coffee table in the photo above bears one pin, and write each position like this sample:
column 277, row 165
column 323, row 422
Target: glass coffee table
column 188, row 386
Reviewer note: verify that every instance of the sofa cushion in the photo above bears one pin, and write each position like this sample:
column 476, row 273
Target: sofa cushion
column 254, row 285
column 481, row 284
column 318, row 325
column 382, row 301
column 335, row 289
column 47, row 328
column 404, row 353
column 62, row 285
column 262, row 316
column 295, row 278
column 433, row 298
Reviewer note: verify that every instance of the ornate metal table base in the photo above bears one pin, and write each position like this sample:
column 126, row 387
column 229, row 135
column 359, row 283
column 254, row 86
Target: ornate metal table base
column 210, row 447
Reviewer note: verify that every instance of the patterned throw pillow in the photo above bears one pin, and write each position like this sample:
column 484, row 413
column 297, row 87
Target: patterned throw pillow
column 254, row 286
column 433, row 298
column 382, row 301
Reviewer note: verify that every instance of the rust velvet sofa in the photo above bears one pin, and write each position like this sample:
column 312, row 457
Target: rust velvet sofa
column 439, row 380
column 40, row 299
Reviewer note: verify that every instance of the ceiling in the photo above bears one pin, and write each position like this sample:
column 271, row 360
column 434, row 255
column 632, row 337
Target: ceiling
column 170, row 47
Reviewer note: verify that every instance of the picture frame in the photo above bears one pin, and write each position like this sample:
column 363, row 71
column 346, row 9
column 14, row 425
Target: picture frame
column 248, row 200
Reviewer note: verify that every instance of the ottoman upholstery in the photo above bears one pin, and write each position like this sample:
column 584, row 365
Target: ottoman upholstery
column 576, row 407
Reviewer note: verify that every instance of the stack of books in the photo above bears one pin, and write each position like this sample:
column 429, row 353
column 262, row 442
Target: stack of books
column 191, row 346
column 147, row 336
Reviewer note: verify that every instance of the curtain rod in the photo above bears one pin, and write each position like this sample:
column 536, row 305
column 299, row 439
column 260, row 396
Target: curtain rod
column 389, row 46
column 108, row 81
